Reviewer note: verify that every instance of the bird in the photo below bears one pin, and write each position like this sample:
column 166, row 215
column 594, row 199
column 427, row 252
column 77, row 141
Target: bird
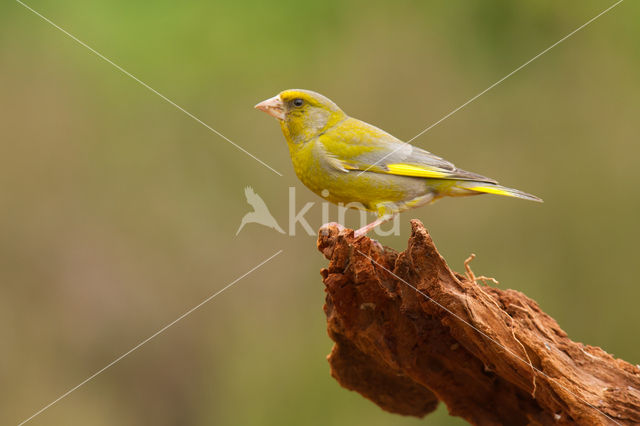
column 260, row 213
column 349, row 161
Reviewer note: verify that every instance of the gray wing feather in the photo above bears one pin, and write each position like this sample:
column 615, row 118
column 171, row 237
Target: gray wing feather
column 396, row 152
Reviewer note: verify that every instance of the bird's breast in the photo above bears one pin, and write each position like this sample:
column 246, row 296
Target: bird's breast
column 352, row 187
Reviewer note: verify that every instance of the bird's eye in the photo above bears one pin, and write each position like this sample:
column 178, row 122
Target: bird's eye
column 298, row 102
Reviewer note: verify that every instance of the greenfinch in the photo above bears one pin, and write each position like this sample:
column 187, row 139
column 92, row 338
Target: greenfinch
column 348, row 161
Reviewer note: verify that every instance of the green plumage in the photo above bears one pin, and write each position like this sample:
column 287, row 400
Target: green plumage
column 360, row 164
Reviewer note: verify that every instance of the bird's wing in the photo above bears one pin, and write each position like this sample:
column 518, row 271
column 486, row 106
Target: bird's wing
column 254, row 199
column 358, row 146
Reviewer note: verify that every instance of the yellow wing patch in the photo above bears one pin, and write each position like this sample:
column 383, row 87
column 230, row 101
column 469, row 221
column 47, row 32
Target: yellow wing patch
column 492, row 190
column 418, row 171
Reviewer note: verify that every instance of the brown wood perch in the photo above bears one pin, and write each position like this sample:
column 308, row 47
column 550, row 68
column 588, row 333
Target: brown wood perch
column 410, row 332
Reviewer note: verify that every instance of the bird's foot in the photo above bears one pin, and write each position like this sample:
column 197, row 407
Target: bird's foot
column 324, row 229
column 360, row 232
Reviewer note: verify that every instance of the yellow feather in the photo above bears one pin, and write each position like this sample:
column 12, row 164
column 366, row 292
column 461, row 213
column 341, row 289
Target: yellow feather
column 492, row 190
column 411, row 170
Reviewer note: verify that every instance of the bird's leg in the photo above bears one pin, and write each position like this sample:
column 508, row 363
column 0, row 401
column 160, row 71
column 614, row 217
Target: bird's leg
column 362, row 231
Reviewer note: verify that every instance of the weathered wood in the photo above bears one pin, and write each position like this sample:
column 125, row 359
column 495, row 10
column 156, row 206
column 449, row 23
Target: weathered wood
column 409, row 332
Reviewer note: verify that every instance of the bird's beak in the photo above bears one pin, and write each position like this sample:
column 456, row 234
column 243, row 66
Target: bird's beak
column 273, row 107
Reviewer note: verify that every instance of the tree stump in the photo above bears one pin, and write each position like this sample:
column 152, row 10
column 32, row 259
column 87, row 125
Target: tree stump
column 410, row 332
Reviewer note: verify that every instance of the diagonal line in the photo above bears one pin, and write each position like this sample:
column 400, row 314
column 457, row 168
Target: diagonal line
column 149, row 338
column 127, row 73
column 515, row 71
column 494, row 84
column 518, row 357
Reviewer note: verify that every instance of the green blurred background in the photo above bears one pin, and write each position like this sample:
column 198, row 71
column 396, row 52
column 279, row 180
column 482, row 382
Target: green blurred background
column 118, row 212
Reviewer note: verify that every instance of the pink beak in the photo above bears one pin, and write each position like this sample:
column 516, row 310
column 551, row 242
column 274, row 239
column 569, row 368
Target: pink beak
column 273, row 107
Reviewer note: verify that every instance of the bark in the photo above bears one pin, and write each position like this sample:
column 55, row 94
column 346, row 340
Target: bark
column 410, row 332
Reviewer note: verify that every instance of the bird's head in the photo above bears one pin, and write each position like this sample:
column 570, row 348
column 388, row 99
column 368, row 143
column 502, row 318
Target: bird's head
column 303, row 114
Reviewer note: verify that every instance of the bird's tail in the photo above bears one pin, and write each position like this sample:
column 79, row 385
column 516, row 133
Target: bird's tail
column 490, row 188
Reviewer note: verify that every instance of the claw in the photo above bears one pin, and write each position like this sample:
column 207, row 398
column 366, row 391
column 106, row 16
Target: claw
column 324, row 229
